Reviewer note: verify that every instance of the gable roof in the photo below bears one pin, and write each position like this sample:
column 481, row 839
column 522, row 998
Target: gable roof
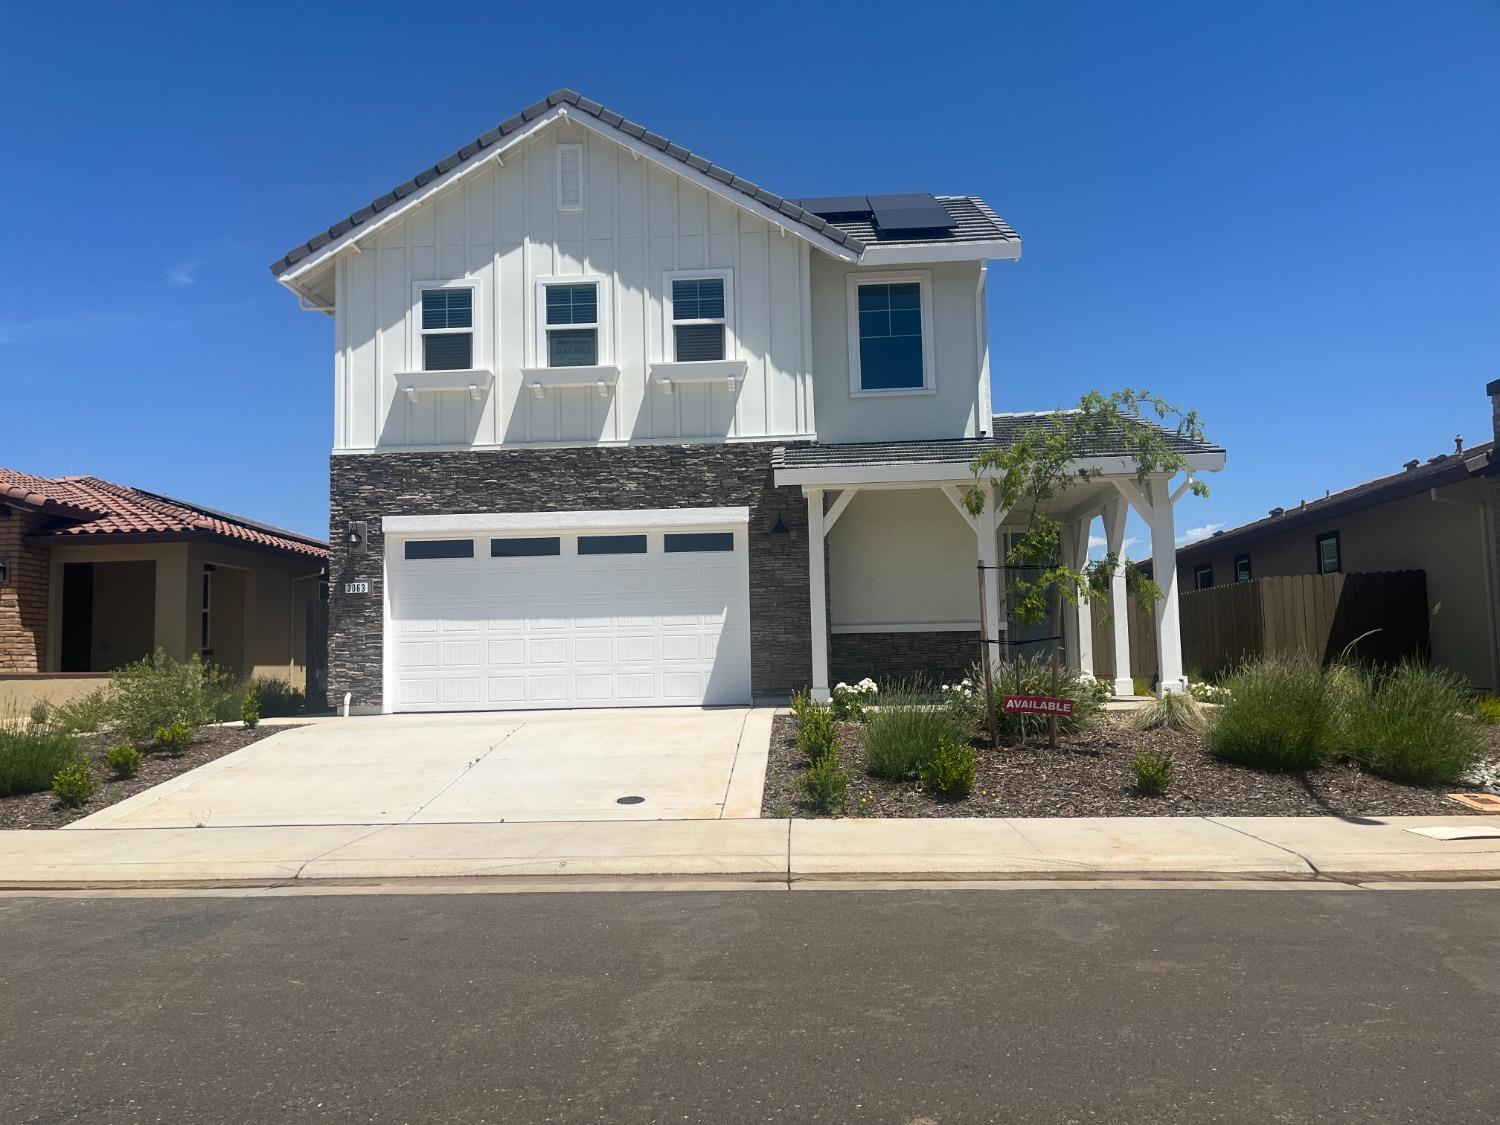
column 1444, row 469
column 93, row 507
column 513, row 125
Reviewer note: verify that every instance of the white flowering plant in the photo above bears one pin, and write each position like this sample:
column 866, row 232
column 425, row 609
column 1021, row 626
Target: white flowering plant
column 1208, row 693
column 851, row 700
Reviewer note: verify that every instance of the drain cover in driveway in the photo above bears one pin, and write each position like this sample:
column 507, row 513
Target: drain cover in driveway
column 630, row 800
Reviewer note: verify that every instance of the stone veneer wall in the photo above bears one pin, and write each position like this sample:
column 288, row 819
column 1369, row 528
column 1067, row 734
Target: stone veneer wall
column 23, row 597
column 939, row 657
column 368, row 486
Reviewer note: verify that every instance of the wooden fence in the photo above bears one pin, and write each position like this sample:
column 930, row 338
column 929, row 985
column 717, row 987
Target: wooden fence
column 1318, row 615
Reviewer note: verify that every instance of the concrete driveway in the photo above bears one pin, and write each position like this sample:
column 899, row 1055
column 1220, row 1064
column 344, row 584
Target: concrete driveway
column 685, row 764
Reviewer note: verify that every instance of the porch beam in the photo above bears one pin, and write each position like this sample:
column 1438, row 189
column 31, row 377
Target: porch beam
column 836, row 509
column 818, row 592
column 1186, row 484
column 1134, row 495
column 955, row 497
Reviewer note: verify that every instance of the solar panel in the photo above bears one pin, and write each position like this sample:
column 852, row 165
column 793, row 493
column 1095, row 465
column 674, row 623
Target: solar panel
column 828, row 205
column 915, row 211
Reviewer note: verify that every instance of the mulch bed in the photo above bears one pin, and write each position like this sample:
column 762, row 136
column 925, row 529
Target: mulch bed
column 41, row 810
column 1089, row 774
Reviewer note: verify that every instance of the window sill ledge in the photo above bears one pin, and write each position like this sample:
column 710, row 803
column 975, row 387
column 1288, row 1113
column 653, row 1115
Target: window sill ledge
column 474, row 380
column 726, row 371
column 893, row 392
column 540, row 380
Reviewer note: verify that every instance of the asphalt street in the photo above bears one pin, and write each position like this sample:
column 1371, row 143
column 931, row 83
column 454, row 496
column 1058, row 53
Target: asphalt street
column 820, row 1006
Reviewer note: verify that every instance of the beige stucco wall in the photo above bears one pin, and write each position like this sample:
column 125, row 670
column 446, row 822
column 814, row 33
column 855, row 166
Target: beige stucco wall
column 902, row 557
column 19, row 691
column 124, row 625
column 275, row 592
column 1449, row 541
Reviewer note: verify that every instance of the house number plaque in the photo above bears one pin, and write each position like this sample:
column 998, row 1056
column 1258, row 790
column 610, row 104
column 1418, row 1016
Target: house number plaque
column 356, row 587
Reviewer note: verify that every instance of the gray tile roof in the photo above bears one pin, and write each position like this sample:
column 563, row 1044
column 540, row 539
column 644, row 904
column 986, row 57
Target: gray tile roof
column 593, row 109
column 976, row 223
column 1007, row 428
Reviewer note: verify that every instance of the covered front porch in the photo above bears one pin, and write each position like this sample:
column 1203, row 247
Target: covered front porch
column 899, row 569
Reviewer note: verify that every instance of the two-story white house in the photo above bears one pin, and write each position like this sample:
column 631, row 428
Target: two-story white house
column 614, row 426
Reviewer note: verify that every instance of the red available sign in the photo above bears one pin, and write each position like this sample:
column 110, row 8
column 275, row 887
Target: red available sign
column 1037, row 705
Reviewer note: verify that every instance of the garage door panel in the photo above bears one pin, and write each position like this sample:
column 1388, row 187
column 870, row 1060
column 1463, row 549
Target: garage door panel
column 483, row 633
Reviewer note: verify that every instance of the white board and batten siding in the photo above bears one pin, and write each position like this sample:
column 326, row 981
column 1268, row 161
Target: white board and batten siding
column 502, row 227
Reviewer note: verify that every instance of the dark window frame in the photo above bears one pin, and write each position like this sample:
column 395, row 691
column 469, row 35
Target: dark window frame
column 697, row 542
column 1200, row 571
column 1338, row 552
column 871, row 317
column 595, row 546
column 542, row 542
column 1249, row 572
column 426, row 551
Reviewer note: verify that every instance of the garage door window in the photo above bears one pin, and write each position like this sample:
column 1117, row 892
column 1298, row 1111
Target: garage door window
column 682, row 542
column 440, row 548
column 611, row 544
column 525, row 548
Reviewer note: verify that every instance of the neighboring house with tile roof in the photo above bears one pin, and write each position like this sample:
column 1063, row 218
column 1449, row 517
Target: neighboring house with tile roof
column 615, row 425
column 1437, row 515
column 95, row 574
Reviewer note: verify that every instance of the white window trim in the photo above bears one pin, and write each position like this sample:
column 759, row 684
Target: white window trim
column 929, row 352
column 557, row 173
column 669, row 338
column 602, row 324
column 414, row 361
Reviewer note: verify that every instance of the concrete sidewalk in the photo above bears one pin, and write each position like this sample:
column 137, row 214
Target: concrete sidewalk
column 784, row 851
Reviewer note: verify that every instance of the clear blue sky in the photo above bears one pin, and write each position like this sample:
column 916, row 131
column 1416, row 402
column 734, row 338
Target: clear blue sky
column 1286, row 215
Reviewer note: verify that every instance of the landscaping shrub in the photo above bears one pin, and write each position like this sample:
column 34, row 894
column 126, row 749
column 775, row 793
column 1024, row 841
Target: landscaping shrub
column 84, row 715
column 1414, row 725
column 278, row 698
column 904, row 732
column 124, row 760
column 824, row 784
column 31, row 755
column 74, row 784
column 1207, row 693
column 817, row 733
column 1173, row 711
column 1141, row 685
column 160, row 692
column 40, row 713
column 174, row 738
column 949, row 773
column 1487, row 709
column 250, row 708
column 1280, row 715
column 1153, row 772
column 1036, row 679
column 851, row 700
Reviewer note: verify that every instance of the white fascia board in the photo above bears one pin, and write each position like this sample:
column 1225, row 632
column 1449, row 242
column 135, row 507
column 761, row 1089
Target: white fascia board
column 954, row 471
column 918, row 253
column 418, row 197
column 567, row 521
column 478, row 160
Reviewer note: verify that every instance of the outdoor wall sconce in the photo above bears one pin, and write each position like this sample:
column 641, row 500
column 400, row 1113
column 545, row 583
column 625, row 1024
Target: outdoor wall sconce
column 355, row 537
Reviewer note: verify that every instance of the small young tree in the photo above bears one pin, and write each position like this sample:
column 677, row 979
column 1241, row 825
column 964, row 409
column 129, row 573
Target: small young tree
column 1026, row 476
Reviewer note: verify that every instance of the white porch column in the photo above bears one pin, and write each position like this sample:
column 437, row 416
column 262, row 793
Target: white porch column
column 818, row 592
column 1115, row 512
column 1078, row 621
column 1164, row 571
column 987, row 529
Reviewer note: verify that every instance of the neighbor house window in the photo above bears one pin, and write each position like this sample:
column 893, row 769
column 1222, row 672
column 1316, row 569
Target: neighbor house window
column 1242, row 568
column 448, row 328
column 698, row 307
column 1330, row 560
column 890, row 337
column 440, row 549
column 1203, row 576
column 570, row 323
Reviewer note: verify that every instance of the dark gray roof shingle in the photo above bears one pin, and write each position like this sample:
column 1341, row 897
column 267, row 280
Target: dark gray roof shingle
column 1007, row 428
column 593, row 109
column 976, row 223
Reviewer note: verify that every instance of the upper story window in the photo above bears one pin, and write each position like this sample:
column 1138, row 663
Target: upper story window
column 890, row 334
column 698, row 316
column 1242, row 568
column 570, row 323
column 447, row 327
column 1330, row 560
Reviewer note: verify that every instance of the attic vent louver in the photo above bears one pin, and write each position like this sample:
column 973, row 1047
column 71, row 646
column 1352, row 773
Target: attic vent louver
column 569, row 177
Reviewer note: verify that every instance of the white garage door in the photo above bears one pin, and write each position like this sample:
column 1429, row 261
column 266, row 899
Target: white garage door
column 512, row 612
